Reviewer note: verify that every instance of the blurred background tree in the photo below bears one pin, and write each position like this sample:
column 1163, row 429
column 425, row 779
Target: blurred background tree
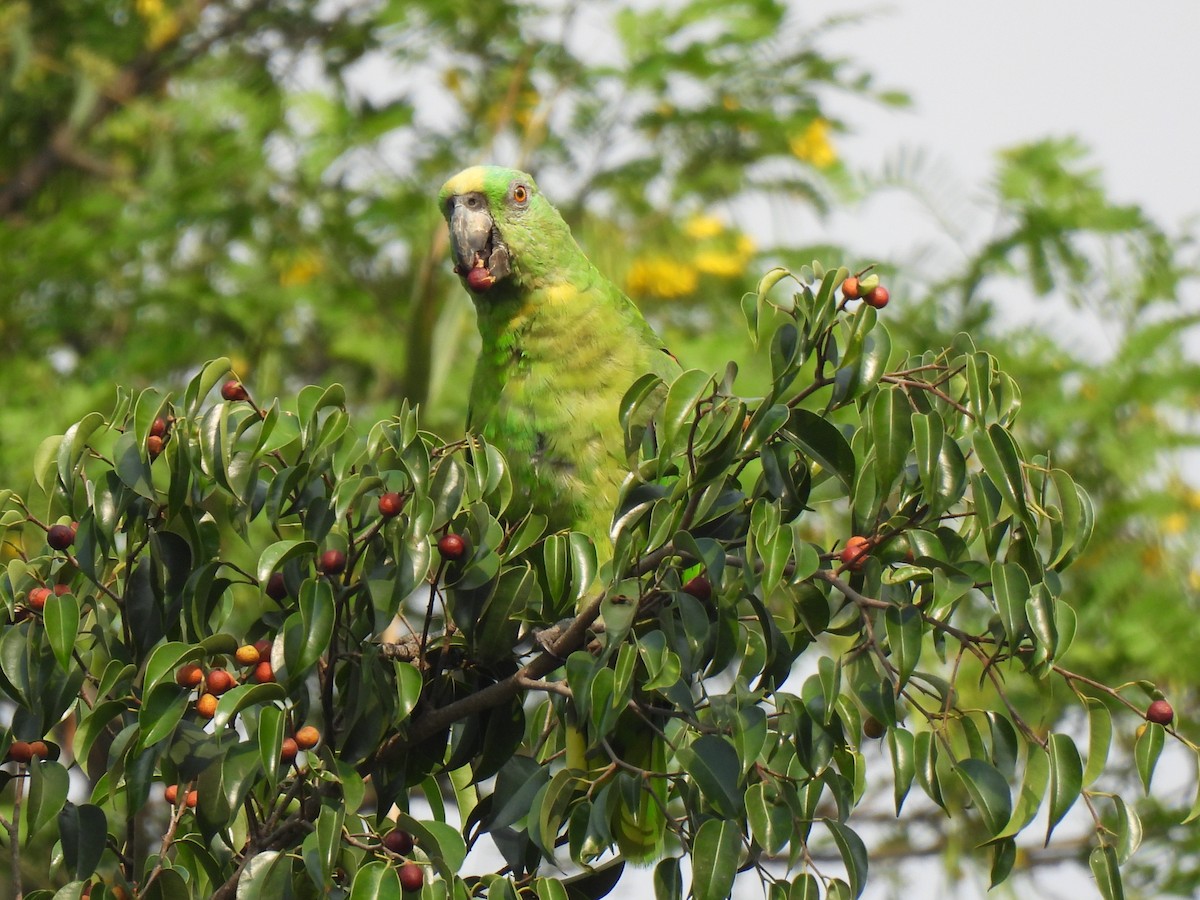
column 183, row 179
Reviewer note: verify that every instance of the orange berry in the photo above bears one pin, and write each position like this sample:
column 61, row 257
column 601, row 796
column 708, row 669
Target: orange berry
column 154, row 445
column 37, row 597
column 850, row 288
column 192, row 799
column 263, row 673
column 39, row 749
column 20, row 751
column 247, row 655
column 307, row 737
column 856, row 552
column 190, row 675
column 288, row 750
column 206, row 706
column 171, row 793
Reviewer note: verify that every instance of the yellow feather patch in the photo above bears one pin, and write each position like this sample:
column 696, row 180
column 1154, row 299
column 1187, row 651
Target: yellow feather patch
column 559, row 294
column 465, row 182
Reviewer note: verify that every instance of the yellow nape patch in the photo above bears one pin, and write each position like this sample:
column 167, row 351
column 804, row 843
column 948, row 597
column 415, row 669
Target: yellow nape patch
column 558, row 294
column 465, row 182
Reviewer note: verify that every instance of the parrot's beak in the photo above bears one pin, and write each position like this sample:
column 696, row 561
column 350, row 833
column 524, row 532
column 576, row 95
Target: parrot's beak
column 480, row 256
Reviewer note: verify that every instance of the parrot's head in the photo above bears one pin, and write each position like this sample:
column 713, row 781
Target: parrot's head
column 502, row 229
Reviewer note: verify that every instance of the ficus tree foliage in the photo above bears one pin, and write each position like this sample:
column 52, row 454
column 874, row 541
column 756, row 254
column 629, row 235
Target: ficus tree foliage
column 705, row 702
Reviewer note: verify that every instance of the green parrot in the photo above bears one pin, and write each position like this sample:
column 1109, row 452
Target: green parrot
column 561, row 345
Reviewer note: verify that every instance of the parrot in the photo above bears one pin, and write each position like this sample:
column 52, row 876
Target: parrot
column 561, row 344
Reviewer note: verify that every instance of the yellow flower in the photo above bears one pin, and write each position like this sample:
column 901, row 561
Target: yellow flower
column 1193, row 499
column 658, row 276
column 745, row 246
column 150, row 9
column 163, row 30
column 1175, row 523
column 813, row 145
column 723, row 265
column 303, row 269
column 703, row 226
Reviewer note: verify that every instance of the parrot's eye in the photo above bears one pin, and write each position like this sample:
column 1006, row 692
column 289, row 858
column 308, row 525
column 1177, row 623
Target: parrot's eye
column 521, row 194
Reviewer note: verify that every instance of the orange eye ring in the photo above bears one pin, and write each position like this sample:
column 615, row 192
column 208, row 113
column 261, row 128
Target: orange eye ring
column 521, row 193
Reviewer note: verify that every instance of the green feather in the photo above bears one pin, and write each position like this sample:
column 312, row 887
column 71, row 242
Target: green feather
column 561, row 345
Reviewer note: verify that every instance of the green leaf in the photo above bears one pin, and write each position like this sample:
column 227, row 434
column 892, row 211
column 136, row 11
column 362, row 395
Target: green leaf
column 770, row 819
column 61, row 617
column 205, row 381
column 279, row 553
column 83, row 831
column 161, row 711
column 1146, row 751
column 1099, row 739
column 244, row 696
column 48, row 786
column 989, row 791
column 1103, row 863
column 1010, row 587
column 904, row 765
column 713, row 764
column 680, row 408
column 1001, row 460
column 1128, row 830
column 1004, row 854
column 308, row 630
column 854, row 854
column 892, row 435
column 823, row 442
column 668, row 880
column 716, row 852
column 904, row 626
column 1066, row 778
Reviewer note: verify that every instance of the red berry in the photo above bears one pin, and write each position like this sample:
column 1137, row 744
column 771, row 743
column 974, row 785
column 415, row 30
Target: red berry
column 390, row 504
column 276, row 587
column 37, row 597
column 154, row 445
column 234, row 390
column 856, row 552
column 873, row 728
column 398, row 841
column 263, row 673
column 878, row 297
column 850, row 288
column 452, row 547
column 700, row 588
column 333, row 562
column 412, row 876
column 219, row 681
column 20, row 751
column 60, row 537
column 263, row 646
column 288, row 750
column 1160, row 712
column 158, row 428
column 480, row 279
column 39, row 749
column 60, row 589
